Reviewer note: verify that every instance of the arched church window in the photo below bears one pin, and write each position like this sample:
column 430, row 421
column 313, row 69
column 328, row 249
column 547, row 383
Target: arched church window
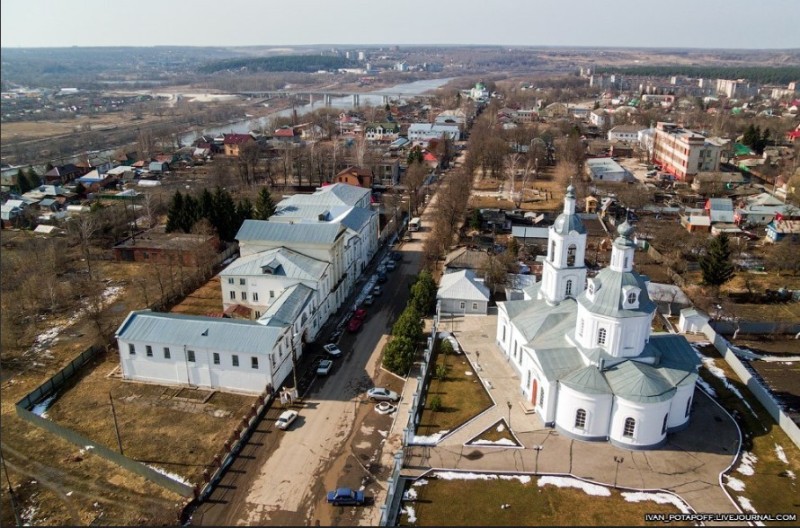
column 625, row 263
column 664, row 425
column 568, row 291
column 571, row 250
column 630, row 427
column 631, row 297
column 552, row 251
column 601, row 336
column 580, row 419
column 688, row 406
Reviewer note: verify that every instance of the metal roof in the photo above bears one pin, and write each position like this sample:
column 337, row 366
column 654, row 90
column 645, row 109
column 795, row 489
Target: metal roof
column 283, row 261
column 635, row 381
column 540, row 323
column 297, row 233
column 462, row 285
column 287, row 307
column 529, row 232
column 232, row 335
column 558, row 362
column 587, row 380
column 338, row 194
column 608, row 298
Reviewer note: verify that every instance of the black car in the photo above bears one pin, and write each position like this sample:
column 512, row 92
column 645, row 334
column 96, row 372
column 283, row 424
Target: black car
column 382, row 277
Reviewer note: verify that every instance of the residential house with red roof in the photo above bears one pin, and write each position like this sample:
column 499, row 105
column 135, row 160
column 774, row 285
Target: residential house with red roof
column 358, row 176
column 232, row 143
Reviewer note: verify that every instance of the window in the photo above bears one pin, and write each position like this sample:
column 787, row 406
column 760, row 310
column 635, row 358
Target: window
column 131, row 349
column 242, row 281
column 504, row 334
column 552, row 251
column 568, row 290
column 230, row 280
column 580, row 419
column 190, row 355
column 233, row 295
column 255, row 296
column 463, row 305
column 167, row 355
column 244, row 296
column 216, row 358
column 632, row 298
column 625, row 263
column 571, row 250
column 148, row 350
column 581, row 327
column 688, row 406
column 254, row 362
column 541, row 397
column 630, row 427
column 272, row 294
column 664, row 425
column 258, row 314
column 474, row 306
column 235, row 360
column 601, row 336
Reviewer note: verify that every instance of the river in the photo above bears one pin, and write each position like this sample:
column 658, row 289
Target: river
column 373, row 98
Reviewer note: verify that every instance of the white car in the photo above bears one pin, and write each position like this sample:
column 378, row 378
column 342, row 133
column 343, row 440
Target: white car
column 286, row 419
column 324, row 367
column 381, row 394
column 332, row 350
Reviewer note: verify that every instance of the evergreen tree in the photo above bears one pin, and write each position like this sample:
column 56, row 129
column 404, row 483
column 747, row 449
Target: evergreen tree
column 415, row 155
column 423, row 293
column 409, row 324
column 22, row 185
column 398, row 356
column 264, row 207
column 33, row 178
column 244, row 211
column 174, row 212
column 224, row 215
column 716, row 263
column 206, row 205
column 190, row 213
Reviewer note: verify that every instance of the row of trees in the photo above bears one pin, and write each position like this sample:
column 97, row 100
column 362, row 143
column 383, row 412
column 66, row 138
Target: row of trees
column 218, row 210
column 407, row 330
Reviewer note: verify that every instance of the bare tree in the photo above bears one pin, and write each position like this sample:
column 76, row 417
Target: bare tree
column 84, row 228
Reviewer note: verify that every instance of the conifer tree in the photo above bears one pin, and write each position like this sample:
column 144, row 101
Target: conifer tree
column 264, row 207
column 716, row 263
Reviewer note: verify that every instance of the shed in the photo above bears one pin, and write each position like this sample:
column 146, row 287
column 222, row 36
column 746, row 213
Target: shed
column 692, row 320
column 462, row 292
column 158, row 167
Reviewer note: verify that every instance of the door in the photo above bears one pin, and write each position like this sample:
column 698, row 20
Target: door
column 534, row 391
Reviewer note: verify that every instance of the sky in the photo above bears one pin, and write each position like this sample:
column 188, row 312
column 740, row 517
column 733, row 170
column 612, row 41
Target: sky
column 743, row 24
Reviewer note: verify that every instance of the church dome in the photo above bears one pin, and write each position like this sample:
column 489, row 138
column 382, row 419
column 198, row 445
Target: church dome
column 625, row 229
column 565, row 223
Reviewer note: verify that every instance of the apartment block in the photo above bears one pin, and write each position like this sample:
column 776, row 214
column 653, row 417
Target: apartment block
column 684, row 153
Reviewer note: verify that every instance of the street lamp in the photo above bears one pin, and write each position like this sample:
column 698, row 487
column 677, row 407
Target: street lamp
column 619, row 460
column 537, row 448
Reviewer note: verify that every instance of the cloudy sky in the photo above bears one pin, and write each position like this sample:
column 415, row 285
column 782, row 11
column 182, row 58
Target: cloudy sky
column 625, row 23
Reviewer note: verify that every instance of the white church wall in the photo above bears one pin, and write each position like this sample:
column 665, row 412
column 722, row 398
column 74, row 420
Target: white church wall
column 678, row 415
column 596, row 406
column 649, row 419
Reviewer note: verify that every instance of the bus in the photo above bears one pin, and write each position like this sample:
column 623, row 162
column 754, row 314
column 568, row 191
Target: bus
column 414, row 224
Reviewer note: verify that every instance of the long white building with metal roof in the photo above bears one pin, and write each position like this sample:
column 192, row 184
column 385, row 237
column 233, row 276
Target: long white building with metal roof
column 587, row 360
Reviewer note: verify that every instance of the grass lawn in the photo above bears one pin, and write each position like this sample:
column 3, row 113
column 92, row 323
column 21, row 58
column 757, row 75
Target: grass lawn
column 498, row 431
column 462, row 396
column 770, row 488
column 477, row 503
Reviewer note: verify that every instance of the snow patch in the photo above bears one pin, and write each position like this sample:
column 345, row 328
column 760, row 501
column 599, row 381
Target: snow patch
column 711, row 366
column 383, row 433
column 428, row 439
column 791, row 474
column 412, row 515
column 166, row 473
column 40, row 409
column 458, row 475
column 567, row 482
column 706, row 387
column 500, row 427
column 502, row 442
column 410, row 494
column 658, row 498
column 781, row 454
column 420, row 482
column 746, row 505
column 746, row 465
column 735, row 484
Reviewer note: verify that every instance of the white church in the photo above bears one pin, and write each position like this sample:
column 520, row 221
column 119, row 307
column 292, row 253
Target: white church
column 584, row 351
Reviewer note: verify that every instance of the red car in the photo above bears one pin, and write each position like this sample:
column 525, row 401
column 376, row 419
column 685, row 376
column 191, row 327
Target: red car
column 355, row 324
column 360, row 314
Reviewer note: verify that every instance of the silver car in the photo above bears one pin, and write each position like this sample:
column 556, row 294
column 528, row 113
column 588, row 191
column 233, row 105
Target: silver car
column 381, row 394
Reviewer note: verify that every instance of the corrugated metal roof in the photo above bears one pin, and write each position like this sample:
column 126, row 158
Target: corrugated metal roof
column 287, row 263
column 462, row 285
column 558, row 362
column 587, row 380
column 298, row 233
column 541, row 324
column 529, row 232
column 338, row 194
column 635, row 381
column 196, row 331
column 608, row 298
column 357, row 218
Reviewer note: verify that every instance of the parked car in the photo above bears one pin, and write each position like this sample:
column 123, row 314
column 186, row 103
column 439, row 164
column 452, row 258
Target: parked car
column 381, row 270
column 346, row 497
column 355, row 324
column 397, row 256
column 377, row 291
column 391, row 266
column 360, row 313
column 286, row 419
column 332, row 350
column 324, row 367
column 369, row 299
column 381, row 394
column 382, row 277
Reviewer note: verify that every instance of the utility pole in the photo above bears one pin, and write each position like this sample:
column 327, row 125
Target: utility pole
column 116, row 427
